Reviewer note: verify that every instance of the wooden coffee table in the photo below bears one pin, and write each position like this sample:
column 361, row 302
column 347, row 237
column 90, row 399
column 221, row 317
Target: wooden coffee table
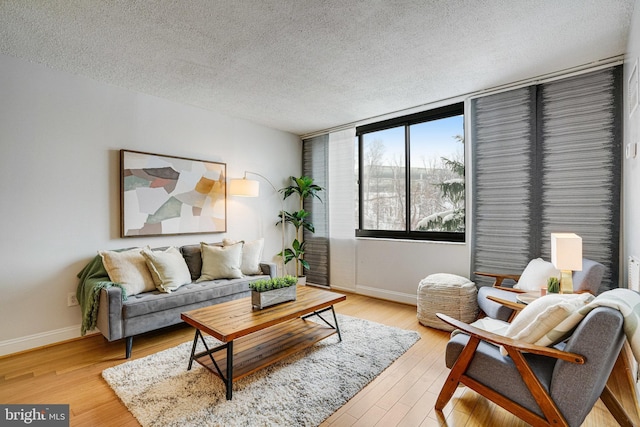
column 254, row 338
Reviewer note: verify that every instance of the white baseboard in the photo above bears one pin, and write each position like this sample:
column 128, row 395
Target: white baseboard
column 38, row 340
column 385, row 294
column 52, row 337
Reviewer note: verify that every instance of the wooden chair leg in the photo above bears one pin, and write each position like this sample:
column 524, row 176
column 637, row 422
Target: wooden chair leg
column 621, row 385
column 616, row 409
column 543, row 399
column 458, row 369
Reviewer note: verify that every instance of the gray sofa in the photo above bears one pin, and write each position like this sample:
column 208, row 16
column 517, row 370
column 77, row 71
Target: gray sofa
column 148, row 311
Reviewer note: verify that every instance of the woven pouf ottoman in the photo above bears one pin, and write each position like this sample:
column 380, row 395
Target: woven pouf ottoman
column 448, row 294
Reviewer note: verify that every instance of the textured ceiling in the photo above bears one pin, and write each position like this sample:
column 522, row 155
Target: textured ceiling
column 303, row 66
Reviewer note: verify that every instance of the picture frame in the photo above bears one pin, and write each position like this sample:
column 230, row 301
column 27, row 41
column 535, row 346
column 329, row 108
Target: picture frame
column 165, row 195
column 633, row 93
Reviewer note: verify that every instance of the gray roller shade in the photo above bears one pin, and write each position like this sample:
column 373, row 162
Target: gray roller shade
column 581, row 166
column 315, row 158
column 546, row 159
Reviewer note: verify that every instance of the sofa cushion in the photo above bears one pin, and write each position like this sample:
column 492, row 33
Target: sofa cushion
column 220, row 262
column 193, row 257
column 192, row 293
column 128, row 268
column 251, row 255
column 168, row 268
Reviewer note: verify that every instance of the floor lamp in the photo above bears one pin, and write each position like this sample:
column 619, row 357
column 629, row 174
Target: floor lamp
column 251, row 188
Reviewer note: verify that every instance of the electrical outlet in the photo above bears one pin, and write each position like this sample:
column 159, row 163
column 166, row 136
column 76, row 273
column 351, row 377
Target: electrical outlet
column 71, row 299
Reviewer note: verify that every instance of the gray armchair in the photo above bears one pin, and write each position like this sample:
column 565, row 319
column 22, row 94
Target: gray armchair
column 541, row 385
column 587, row 280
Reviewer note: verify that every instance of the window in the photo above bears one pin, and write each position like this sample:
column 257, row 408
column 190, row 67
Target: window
column 411, row 176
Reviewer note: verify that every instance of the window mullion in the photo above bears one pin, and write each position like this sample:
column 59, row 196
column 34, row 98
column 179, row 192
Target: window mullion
column 407, row 178
column 360, row 189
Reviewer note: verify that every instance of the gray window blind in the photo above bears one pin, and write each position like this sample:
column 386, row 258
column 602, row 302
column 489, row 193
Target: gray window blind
column 546, row 159
column 503, row 164
column 581, row 165
column 315, row 157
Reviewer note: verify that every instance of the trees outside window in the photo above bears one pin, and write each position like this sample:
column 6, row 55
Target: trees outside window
column 412, row 177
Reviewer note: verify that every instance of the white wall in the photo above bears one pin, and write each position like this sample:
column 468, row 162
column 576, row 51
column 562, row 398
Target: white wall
column 60, row 137
column 631, row 167
column 392, row 269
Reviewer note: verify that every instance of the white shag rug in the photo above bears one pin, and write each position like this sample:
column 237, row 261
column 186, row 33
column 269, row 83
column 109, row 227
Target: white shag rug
column 302, row 390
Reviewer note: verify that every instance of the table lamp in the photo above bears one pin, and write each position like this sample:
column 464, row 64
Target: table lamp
column 566, row 256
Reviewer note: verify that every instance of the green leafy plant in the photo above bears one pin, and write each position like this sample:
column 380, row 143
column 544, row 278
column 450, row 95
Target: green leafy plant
column 452, row 217
column 303, row 188
column 553, row 285
column 264, row 285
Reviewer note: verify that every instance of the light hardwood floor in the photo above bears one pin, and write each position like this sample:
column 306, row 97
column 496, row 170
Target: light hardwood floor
column 403, row 395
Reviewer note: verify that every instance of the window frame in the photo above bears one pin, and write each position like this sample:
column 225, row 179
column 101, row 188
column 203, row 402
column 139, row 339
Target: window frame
column 406, row 121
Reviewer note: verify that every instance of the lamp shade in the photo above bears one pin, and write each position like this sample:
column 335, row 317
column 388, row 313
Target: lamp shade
column 244, row 187
column 566, row 251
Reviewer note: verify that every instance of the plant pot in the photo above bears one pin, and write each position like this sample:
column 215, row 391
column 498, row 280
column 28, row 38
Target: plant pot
column 273, row 297
column 302, row 280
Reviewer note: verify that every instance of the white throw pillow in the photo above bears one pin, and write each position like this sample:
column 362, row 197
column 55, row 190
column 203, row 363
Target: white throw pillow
column 536, row 323
column 251, row 255
column 536, row 274
column 129, row 269
column 220, row 262
column 168, row 268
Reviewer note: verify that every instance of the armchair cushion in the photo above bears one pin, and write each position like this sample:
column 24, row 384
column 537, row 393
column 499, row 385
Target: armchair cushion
column 494, row 309
column 544, row 321
column 536, row 274
column 589, row 278
column 490, row 367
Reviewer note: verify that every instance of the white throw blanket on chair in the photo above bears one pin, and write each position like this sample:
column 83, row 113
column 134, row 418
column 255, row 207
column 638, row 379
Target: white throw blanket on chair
column 624, row 300
column 628, row 303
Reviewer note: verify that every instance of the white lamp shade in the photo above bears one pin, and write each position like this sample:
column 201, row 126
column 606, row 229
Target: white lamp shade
column 566, row 251
column 244, row 187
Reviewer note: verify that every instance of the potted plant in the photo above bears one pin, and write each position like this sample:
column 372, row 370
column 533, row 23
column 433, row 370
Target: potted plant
column 553, row 285
column 267, row 292
column 304, row 188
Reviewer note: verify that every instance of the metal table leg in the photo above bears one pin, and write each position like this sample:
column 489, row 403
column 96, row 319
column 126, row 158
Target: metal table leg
column 229, row 379
column 335, row 319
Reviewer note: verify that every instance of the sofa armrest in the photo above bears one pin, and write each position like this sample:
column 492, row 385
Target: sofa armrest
column 110, row 313
column 269, row 268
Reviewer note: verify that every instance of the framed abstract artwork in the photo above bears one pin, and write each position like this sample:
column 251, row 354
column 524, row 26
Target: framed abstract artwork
column 162, row 195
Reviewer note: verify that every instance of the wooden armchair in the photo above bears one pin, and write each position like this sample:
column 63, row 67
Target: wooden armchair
column 499, row 278
column 541, row 385
column 586, row 280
